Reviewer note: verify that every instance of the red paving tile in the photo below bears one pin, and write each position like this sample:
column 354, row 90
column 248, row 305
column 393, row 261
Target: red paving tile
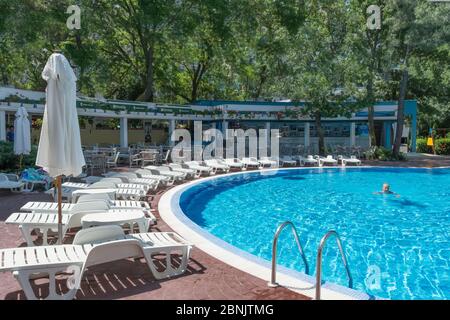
column 206, row 278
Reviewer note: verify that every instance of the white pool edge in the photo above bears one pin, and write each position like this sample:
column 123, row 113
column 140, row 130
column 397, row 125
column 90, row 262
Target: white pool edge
column 170, row 211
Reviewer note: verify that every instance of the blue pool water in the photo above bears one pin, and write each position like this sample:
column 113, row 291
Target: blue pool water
column 397, row 248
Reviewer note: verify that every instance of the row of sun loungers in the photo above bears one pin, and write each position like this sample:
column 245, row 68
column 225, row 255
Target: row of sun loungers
column 98, row 212
column 101, row 208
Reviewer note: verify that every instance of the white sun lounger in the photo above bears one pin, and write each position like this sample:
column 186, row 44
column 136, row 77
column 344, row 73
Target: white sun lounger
column 114, row 182
column 213, row 163
column 351, row 160
column 267, row 162
column 7, row 183
column 327, row 160
column 67, row 207
column 121, row 194
column 48, row 222
column 130, row 177
column 250, row 162
column 178, row 167
column 194, row 165
column 235, row 163
column 91, row 247
column 165, row 171
column 309, row 160
column 147, row 174
column 288, row 160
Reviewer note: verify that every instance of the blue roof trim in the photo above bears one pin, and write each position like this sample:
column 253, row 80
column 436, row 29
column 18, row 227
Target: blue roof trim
column 212, row 103
column 377, row 114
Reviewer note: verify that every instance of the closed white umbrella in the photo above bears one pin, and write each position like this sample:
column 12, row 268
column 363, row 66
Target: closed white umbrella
column 22, row 139
column 59, row 151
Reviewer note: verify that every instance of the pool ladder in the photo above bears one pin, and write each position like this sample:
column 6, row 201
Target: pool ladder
column 323, row 241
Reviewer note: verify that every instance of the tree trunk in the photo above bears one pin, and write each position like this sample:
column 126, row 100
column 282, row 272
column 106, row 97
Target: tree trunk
column 401, row 112
column 371, row 113
column 148, row 93
column 320, row 133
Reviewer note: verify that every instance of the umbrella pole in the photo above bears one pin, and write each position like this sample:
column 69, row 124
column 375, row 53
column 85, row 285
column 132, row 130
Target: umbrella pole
column 59, row 190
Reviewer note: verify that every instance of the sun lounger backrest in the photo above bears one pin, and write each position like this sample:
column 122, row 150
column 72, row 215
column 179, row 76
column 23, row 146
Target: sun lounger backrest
column 94, row 205
column 123, row 178
column 115, row 180
column 95, row 197
column 75, row 219
column 98, row 235
column 113, row 251
column 101, row 185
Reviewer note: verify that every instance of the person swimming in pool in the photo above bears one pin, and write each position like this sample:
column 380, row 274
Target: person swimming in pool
column 386, row 189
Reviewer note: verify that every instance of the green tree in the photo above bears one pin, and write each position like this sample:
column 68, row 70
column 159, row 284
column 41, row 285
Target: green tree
column 416, row 28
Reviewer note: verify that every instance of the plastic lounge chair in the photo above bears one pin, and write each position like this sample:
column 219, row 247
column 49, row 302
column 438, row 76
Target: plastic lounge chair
column 111, row 182
column 48, row 222
column 69, row 189
column 328, row 160
column 178, row 167
column 129, row 177
column 11, row 182
column 309, row 160
column 267, row 162
column 352, row 160
column 67, row 207
column 91, row 247
column 287, row 160
column 213, row 163
column 119, row 194
column 165, row 171
column 194, row 165
column 251, row 162
column 235, row 163
column 147, row 174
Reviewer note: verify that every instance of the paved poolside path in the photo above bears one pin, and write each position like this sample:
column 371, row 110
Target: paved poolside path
column 207, row 277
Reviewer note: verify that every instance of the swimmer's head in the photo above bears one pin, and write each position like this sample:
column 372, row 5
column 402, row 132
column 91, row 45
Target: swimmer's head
column 386, row 187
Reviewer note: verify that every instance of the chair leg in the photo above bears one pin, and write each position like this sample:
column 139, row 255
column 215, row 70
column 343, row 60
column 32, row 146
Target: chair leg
column 170, row 270
column 24, row 277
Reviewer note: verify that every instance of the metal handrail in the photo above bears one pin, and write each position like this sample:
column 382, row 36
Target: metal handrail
column 319, row 262
column 273, row 282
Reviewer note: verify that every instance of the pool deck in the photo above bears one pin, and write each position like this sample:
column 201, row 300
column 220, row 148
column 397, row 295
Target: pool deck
column 206, row 278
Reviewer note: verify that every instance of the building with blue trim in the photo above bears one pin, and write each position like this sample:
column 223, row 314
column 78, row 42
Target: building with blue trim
column 295, row 129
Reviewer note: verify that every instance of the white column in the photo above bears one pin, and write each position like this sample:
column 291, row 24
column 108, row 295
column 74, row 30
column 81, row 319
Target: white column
column 224, row 127
column 172, row 127
column 352, row 134
column 268, row 137
column 2, row 126
column 268, row 132
column 307, row 134
column 124, row 132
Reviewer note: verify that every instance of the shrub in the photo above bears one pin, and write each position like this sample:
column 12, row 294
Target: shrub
column 383, row 154
column 421, row 146
column 442, row 146
column 9, row 162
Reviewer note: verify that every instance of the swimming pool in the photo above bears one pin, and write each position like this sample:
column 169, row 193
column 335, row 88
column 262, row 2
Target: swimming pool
column 397, row 248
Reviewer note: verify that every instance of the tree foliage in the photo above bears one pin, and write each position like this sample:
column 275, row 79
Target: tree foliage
column 183, row 50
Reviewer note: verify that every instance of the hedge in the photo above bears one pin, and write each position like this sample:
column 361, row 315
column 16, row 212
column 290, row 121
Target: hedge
column 9, row 162
column 441, row 145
